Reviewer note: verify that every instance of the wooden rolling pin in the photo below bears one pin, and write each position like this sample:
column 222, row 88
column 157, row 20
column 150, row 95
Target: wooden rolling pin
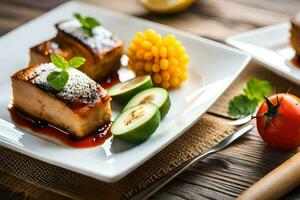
column 277, row 183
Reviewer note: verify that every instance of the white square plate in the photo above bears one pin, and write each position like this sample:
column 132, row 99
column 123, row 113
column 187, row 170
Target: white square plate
column 270, row 47
column 212, row 69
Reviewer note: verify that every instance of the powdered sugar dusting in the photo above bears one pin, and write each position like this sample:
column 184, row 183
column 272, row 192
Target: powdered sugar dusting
column 101, row 41
column 79, row 88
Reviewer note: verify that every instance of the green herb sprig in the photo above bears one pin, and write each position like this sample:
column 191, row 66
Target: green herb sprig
column 58, row 79
column 88, row 23
column 246, row 103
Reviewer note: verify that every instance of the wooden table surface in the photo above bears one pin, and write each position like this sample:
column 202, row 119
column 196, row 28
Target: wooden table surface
column 228, row 173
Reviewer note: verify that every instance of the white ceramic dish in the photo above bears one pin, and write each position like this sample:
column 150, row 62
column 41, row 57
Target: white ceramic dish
column 270, row 47
column 212, row 69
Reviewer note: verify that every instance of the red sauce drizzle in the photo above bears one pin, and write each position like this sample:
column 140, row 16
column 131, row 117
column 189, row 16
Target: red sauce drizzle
column 110, row 81
column 296, row 60
column 96, row 138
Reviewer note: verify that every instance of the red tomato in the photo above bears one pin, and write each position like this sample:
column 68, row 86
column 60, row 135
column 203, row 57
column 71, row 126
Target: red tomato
column 279, row 122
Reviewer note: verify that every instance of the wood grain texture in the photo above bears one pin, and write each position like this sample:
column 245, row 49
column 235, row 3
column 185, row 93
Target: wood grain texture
column 270, row 186
column 228, row 173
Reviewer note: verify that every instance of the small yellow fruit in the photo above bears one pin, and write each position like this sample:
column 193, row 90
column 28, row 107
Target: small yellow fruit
column 163, row 52
column 154, row 51
column 165, row 84
column 174, row 82
column 164, row 63
column 148, row 67
column 183, row 76
column 171, row 52
column 157, row 78
column 137, row 41
column 139, row 65
column 146, row 45
column 165, row 75
column 140, row 54
column 148, row 56
column 171, row 69
column 173, row 62
column 155, row 68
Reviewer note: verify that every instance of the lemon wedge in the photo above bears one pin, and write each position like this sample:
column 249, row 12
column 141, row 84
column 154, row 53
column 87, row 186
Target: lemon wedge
column 166, row 6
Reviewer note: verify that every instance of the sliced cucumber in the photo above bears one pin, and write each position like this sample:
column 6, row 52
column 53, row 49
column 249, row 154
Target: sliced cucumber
column 123, row 92
column 158, row 96
column 136, row 124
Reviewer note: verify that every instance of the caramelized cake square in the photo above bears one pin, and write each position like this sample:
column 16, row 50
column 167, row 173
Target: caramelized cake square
column 79, row 108
column 102, row 51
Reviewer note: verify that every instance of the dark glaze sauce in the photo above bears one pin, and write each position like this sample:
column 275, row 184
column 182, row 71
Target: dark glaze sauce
column 96, row 138
column 296, row 61
column 110, row 81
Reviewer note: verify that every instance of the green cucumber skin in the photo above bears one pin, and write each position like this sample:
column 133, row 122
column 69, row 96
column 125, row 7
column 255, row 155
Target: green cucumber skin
column 125, row 97
column 142, row 133
column 164, row 109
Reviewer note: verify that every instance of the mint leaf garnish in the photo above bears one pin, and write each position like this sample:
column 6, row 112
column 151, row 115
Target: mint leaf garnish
column 79, row 18
column 246, row 103
column 76, row 62
column 88, row 23
column 91, row 22
column 58, row 79
column 59, row 61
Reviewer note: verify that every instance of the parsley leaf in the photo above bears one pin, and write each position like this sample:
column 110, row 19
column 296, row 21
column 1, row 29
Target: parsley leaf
column 88, row 23
column 246, row 103
column 241, row 106
column 58, row 79
column 257, row 89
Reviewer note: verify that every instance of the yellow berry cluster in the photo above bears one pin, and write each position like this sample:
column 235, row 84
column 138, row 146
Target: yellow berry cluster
column 164, row 58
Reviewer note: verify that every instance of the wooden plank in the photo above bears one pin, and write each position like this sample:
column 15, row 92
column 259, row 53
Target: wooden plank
column 13, row 16
column 32, row 4
column 289, row 7
column 15, row 13
column 10, row 11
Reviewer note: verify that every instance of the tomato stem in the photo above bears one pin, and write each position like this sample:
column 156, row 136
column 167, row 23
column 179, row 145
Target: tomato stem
column 272, row 111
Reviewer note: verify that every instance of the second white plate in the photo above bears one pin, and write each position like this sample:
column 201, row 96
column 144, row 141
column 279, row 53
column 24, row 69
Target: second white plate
column 270, row 46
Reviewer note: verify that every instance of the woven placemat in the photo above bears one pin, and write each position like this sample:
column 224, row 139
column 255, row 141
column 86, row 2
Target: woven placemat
column 202, row 136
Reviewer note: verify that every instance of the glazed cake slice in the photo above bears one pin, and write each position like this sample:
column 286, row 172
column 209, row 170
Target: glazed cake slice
column 79, row 108
column 102, row 51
